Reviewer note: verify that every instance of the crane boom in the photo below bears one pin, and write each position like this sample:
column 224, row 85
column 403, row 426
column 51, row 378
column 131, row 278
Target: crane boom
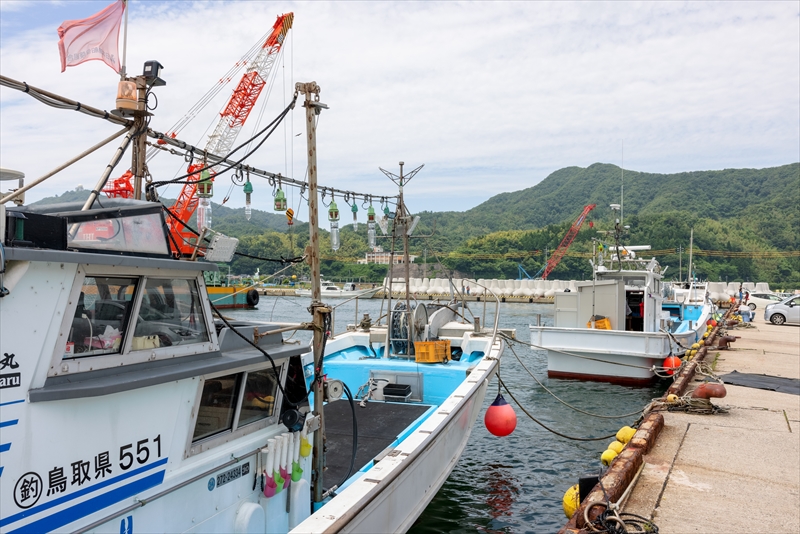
column 555, row 259
column 246, row 93
column 230, row 124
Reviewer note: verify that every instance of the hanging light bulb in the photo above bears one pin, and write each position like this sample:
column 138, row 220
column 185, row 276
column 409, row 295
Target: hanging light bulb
column 280, row 200
column 248, row 190
column 205, row 190
column 354, row 209
column 383, row 223
column 333, row 217
column 371, row 227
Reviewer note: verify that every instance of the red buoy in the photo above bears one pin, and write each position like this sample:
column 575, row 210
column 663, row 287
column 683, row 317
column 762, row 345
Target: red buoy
column 500, row 418
column 672, row 363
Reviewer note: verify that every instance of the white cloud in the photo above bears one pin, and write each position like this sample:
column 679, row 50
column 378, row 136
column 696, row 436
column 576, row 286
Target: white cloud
column 491, row 96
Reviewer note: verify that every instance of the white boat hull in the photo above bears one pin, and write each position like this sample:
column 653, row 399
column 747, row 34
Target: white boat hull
column 605, row 355
column 392, row 495
column 340, row 294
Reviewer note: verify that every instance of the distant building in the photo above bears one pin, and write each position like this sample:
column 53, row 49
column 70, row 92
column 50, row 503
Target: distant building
column 381, row 257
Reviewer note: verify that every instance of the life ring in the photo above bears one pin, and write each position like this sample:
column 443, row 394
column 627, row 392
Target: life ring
column 252, row 297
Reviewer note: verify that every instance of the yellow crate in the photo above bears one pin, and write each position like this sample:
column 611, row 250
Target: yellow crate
column 600, row 324
column 432, row 351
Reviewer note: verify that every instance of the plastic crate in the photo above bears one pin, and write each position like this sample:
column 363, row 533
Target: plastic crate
column 432, row 351
column 600, row 324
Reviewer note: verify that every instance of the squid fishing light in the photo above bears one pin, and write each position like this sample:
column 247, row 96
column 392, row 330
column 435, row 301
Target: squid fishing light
column 333, row 217
column 371, row 227
column 248, row 190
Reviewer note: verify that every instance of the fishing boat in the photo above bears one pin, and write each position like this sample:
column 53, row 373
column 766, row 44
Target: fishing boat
column 332, row 291
column 128, row 403
column 227, row 296
column 616, row 328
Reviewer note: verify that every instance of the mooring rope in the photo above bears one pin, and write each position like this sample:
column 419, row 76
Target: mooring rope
column 563, row 401
column 557, row 433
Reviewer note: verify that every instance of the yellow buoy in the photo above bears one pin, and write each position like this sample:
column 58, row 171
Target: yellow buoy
column 695, row 346
column 607, row 457
column 616, row 446
column 705, row 335
column 571, row 501
column 672, row 398
column 625, row 434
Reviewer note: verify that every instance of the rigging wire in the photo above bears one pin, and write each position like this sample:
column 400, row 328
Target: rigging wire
column 562, row 401
column 557, row 433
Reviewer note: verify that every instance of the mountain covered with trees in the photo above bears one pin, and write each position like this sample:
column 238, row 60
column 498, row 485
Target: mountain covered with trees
column 746, row 226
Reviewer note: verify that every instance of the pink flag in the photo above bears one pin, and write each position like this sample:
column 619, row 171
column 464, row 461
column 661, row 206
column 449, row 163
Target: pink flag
column 96, row 37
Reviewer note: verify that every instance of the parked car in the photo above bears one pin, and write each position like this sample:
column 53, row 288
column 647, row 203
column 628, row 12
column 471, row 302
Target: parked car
column 763, row 300
column 785, row 312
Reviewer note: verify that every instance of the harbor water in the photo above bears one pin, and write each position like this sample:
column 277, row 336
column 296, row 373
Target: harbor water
column 516, row 483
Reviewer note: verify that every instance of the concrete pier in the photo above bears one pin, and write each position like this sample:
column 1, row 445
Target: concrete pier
column 734, row 472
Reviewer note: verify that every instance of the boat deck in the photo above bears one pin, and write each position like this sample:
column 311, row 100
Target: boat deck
column 379, row 425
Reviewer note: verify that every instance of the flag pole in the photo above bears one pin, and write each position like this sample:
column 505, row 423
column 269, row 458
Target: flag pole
column 122, row 72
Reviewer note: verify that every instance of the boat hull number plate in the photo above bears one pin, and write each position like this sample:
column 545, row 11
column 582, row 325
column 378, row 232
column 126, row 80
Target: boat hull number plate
column 230, row 475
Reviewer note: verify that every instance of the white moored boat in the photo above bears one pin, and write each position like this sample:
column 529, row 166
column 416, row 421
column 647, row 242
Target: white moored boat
column 126, row 406
column 332, row 291
column 633, row 330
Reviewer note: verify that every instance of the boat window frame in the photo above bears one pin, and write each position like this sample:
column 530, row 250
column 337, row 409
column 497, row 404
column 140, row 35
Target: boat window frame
column 61, row 365
column 138, row 308
column 194, row 448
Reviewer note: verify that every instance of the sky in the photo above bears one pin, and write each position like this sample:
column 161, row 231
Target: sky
column 491, row 97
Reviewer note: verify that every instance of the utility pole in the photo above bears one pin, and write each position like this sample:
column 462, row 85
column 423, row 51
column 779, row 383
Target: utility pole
column 679, row 250
column 318, row 309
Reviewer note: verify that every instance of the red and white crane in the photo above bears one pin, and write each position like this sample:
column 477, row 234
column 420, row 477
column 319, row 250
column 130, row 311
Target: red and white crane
column 231, row 121
column 221, row 141
column 567, row 241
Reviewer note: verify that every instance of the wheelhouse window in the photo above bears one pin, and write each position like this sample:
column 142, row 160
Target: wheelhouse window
column 170, row 314
column 259, row 396
column 224, row 407
column 101, row 316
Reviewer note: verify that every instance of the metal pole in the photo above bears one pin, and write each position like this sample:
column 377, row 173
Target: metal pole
column 122, row 70
column 61, row 167
column 318, row 310
column 406, row 271
column 691, row 276
column 110, row 167
column 140, row 148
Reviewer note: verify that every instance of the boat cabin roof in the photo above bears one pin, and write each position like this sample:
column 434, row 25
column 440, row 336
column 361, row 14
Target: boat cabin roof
column 121, row 228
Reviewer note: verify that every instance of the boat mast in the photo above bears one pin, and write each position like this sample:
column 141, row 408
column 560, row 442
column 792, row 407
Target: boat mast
column 691, row 278
column 318, row 309
column 622, row 187
column 402, row 223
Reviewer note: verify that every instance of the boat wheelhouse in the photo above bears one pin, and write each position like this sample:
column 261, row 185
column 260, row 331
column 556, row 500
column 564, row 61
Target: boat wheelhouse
column 615, row 328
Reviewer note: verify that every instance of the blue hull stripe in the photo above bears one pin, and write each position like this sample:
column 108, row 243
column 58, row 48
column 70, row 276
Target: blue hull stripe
column 1, row 470
column 65, row 517
column 80, row 493
column 9, row 423
column 4, row 447
column 11, row 402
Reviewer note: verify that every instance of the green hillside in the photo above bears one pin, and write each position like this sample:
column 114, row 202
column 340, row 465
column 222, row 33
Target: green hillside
column 759, row 198
column 734, row 213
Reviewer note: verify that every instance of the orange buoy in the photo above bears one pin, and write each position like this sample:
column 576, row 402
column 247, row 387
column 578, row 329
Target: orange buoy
column 672, row 363
column 709, row 390
column 500, row 418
